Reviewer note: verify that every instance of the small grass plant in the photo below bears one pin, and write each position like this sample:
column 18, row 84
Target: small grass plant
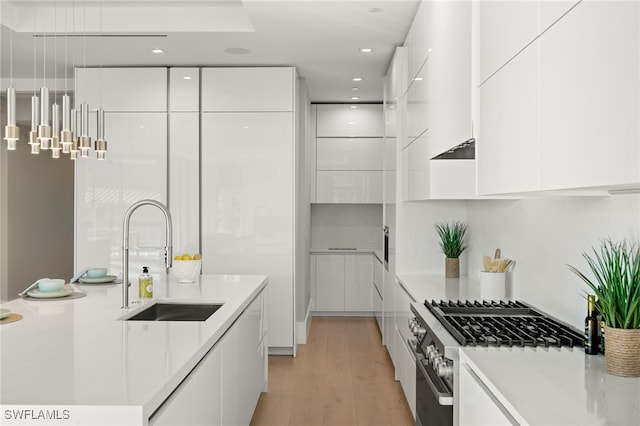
column 616, row 270
column 452, row 238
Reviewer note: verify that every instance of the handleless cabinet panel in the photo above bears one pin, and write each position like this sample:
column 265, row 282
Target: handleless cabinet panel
column 123, row 89
column 247, row 89
column 358, row 276
column 184, row 89
column 330, row 282
column 349, row 187
column 342, row 120
column 349, row 154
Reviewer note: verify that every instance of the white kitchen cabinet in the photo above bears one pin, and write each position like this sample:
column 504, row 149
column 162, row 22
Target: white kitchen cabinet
column 507, row 147
column 343, row 283
column 184, row 89
column 223, row 389
column 418, row 40
column 247, row 205
column 358, row 278
column 135, row 168
column 184, row 181
column 378, row 290
column 416, row 160
column 349, row 187
column 340, row 120
column 417, row 117
column 330, row 282
column 349, row 154
column 122, row 90
column 477, row 404
column 589, row 103
column 248, row 89
column 452, row 179
column 405, row 360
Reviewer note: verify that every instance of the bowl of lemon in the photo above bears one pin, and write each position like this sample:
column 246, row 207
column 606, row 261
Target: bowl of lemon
column 186, row 267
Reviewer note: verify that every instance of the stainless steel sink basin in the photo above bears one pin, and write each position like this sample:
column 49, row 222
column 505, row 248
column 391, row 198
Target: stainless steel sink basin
column 176, row 312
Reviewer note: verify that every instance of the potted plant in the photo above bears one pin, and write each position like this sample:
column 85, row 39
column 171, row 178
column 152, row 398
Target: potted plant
column 616, row 284
column 452, row 245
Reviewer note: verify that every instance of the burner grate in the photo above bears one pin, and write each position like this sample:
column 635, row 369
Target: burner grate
column 502, row 323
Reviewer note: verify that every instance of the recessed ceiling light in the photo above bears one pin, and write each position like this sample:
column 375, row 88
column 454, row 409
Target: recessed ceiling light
column 355, row 88
column 366, row 50
column 418, row 79
column 354, row 106
column 357, row 79
column 375, row 10
column 157, row 51
column 355, row 98
column 237, row 50
column 187, row 77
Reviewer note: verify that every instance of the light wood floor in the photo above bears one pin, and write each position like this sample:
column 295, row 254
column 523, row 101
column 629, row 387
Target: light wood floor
column 343, row 376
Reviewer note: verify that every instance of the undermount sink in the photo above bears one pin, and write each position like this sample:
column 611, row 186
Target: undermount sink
column 176, row 312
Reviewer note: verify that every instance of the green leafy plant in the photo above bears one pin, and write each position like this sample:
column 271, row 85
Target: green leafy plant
column 616, row 284
column 452, row 238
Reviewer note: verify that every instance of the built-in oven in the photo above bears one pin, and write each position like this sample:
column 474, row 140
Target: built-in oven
column 434, row 376
column 385, row 231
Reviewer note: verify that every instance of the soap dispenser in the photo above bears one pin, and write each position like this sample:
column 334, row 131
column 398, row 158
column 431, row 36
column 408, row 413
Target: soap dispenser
column 145, row 284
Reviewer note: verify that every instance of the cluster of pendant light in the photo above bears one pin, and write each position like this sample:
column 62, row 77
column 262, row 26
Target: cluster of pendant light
column 68, row 134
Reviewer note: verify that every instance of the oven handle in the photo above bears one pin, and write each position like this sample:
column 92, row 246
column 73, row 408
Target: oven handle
column 444, row 398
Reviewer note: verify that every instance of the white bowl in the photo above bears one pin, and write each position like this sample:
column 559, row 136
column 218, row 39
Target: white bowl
column 96, row 272
column 186, row 271
column 50, row 284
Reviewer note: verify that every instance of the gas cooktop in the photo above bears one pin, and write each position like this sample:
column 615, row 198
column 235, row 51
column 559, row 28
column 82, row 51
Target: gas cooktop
column 502, row 323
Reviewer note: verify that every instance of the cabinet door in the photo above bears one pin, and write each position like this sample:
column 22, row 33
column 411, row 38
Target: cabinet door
column 330, row 283
column 349, row 187
column 417, row 113
column 349, row 154
column 507, row 147
column 247, row 89
column 342, row 120
column 122, row 90
column 589, row 103
column 358, row 283
column 477, row 405
column 416, row 160
column 135, row 168
column 247, row 205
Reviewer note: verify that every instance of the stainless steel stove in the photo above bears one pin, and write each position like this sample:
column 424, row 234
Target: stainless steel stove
column 441, row 328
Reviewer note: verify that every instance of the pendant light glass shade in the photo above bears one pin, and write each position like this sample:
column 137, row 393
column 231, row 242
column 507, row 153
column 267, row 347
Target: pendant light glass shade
column 66, row 134
column 75, row 124
column 100, row 143
column 84, row 140
column 11, row 131
column 35, row 119
column 44, row 129
column 55, row 127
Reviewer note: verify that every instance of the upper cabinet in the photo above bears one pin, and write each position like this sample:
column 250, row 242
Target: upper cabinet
column 238, row 89
column 184, row 89
column 343, row 120
column 560, row 113
column 123, row 89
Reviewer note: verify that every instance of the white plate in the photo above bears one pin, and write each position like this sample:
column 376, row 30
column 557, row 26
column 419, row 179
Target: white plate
column 39, row 294
column 101, row 280
column 4, row 313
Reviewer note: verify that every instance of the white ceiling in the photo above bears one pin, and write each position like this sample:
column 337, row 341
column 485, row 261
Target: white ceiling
column 320, row 37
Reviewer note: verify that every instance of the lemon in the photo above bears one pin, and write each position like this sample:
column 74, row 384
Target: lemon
column 178, row 257
column 186, row 256
column 197, row 256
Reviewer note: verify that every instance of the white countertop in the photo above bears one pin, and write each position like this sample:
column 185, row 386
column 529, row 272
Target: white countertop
column 539, row 386
column 76, row 353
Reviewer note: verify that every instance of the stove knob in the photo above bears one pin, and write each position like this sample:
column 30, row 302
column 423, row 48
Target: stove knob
column 433, row 355
column 430, row 349
column 444, row 369
column 421, row 333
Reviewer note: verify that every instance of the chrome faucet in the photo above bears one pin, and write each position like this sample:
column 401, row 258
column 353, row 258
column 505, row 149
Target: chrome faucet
column 125, row 243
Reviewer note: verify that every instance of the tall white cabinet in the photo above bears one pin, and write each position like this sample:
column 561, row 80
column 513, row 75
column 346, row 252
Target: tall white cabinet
column 248, row 186
column 218, row 146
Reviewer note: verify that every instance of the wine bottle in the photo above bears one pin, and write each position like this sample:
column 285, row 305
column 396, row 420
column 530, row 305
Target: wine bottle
column 591, row 328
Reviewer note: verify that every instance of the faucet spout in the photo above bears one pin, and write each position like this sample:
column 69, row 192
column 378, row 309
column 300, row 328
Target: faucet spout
column 125, row 243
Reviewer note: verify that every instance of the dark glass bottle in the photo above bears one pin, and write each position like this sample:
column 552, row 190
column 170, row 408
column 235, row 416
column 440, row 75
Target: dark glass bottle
column 591, row 327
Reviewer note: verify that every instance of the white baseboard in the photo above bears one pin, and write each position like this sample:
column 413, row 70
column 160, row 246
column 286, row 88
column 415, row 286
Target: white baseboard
column 303, row 327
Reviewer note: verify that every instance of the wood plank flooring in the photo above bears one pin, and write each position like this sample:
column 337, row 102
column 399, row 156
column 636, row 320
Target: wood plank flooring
column 343, row 376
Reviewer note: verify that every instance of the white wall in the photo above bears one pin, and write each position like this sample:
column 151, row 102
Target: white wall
column 346, row 226
column 544, row 235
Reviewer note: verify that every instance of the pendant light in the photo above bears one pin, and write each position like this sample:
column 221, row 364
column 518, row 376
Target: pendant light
column 100, row 145
column 35, row 101
column 11, row 130
column 55, row 108
column 44, row 129
column 66, row 135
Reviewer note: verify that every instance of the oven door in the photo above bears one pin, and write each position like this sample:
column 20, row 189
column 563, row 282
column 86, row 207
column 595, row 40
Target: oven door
column 434, row 399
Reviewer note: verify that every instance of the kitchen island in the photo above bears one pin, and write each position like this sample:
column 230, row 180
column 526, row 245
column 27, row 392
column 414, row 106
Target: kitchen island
column 76, row 362
column 530, row 385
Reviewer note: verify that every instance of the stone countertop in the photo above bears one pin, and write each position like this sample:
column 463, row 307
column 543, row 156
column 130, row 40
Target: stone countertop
column 76, row 355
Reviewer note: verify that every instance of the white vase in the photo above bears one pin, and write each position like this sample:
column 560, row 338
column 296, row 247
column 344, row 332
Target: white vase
column 492, row 285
